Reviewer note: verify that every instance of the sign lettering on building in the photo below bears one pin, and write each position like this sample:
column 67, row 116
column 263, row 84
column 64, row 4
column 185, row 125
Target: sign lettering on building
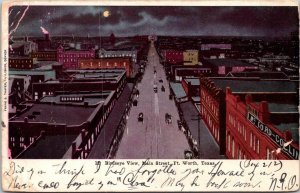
column 289, row 150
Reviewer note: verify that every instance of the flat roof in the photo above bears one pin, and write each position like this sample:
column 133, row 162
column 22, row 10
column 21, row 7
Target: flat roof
column 292, row 127
column 260, row 74
column 178, row 89
column 51, row 147
column 277, row 107
column 92, row 99
column 46, row 65
column 193, row 81
column 228, row 62
column 57, row 114
column 255, row 85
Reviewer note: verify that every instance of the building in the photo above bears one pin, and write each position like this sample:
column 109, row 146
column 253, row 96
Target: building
column 172, row 56
column 82, row 81
column 191, row 86
column 190, row 57
column 22, row 48
column 43, row 131
column 44, row 43
column 69, row 58
column 177, row 72
column 261, row 130
column 221, row 67
column 259, row 75
column 22, row 62
column 133, row 54
column 216, row 46
column 213, row 95
column 107, row 63
column 47, row 55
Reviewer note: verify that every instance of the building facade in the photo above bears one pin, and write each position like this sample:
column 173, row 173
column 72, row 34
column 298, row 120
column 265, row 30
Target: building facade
column 45, row 55
column 190, row 57
column 22, row 48
column 213, row 109
column 102, row 53
column 253, row 131
column 173, row 56
column 69, row 58
column 21, row 62
column 107, row 63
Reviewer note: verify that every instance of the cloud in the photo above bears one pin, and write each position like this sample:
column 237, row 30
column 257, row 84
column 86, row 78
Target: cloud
column 184, row 20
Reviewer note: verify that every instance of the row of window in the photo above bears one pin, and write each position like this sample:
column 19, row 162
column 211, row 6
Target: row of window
column 99, row 64
column 20, row 61
column 231, row 148
column 254, row 142
column 238, row 125
column 210, row 102
column 75, row 55
column 17, row 66
column 115, row 55
column 211, row 123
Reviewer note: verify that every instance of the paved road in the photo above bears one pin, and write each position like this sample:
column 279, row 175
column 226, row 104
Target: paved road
column 153, row 138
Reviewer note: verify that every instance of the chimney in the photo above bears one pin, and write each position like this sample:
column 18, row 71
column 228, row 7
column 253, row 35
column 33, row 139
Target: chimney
column 73, row 149
column 264, row 112
column 26, row 39
column 248, row 98
column 47, row 37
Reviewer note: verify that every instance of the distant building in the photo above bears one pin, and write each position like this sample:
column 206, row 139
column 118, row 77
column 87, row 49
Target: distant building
column 216, row 46
column 190, row 57
column 69, row 58
column 22, row 62
column 107, row 63
column 44, row 43
column 222, row 67
column 47, row 55
column 22, row 48
column 177, row 72
column 82, row 81
column 102, row 53
column 260, row 75
column 172, row 56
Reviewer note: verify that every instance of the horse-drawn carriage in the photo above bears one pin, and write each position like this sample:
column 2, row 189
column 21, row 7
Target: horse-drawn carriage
column 168, row 118
column 141, row 117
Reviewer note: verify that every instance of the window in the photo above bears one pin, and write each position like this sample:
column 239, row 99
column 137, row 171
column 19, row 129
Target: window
column 228, row 142
column 232, row 152
column 257, row 146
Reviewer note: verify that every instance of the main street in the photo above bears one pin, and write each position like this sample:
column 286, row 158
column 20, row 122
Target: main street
column 153, row 138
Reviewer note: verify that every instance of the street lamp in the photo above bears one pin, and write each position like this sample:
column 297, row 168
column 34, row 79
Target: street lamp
column 199, row 117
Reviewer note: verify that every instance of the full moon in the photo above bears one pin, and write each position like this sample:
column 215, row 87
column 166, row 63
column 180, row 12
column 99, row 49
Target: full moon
column 106, row 13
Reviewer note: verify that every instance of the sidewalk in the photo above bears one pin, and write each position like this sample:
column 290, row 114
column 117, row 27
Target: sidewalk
column 209, row 149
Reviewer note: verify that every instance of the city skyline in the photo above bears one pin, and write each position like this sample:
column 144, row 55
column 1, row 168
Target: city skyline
column 141, row 20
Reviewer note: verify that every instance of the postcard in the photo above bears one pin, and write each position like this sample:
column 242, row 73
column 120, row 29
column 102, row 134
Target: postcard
column 150, row 96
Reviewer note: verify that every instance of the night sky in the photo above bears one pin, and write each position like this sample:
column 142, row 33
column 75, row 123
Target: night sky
column 128, row 21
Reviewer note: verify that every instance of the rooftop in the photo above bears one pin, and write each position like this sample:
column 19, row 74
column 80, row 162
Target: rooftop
column 57, row 114
column 237, row 85
column 51, row 147
column 292, row 127
column 193, row 81
column 277, row 107
column 227, row 62
column 92, row 99
column 259, row 74
column 178, row 89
